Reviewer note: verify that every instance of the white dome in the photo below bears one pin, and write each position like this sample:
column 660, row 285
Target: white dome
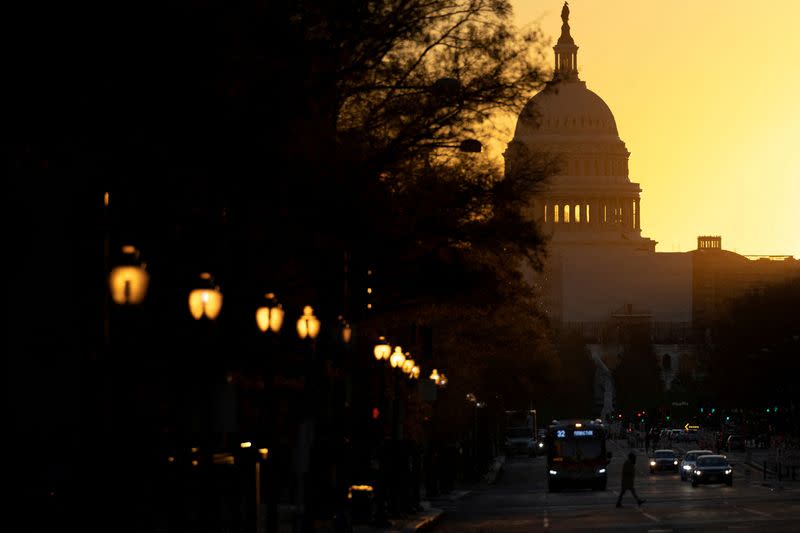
column 566, row 108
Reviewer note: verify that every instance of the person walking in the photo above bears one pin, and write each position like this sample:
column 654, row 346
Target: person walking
column 628, row 473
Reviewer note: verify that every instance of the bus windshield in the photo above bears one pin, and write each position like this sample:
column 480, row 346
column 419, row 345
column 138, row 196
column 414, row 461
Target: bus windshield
column 578, row 449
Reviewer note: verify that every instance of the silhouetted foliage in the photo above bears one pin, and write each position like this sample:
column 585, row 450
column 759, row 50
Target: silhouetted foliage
column 569, row 391
column 753, row 360
column 637, row 377
column 264, row 142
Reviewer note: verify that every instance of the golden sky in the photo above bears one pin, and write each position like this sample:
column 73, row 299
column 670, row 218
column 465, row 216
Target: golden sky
column 706, row 95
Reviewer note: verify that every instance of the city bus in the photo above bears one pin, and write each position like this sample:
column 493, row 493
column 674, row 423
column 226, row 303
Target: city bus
column 576, row 454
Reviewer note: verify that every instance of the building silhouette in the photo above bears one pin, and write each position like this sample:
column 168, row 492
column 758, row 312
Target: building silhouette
column 601, row 272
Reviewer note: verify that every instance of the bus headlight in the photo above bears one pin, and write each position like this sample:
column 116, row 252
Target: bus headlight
column 601, row 471
column 553, row 472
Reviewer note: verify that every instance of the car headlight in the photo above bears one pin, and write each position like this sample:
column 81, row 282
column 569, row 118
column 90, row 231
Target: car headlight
column 652, row 463
column 553, row 472
column 698, row 473
column 728, row 471
column 541, row 445
column 687, row 467
column 675, row 462
column 601, row 471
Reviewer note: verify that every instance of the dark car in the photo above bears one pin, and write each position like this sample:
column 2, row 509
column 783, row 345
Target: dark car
column 712, row 469
column 664, row 461
column 689, row 460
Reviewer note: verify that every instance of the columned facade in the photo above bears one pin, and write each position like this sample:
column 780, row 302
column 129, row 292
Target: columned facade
column 591, row 211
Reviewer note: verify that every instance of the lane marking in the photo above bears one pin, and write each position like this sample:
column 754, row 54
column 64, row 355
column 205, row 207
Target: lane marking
column 648, row 515
column 759, row 513
column 546, row 520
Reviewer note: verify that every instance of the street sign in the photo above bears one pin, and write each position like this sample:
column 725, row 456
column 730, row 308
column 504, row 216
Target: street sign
column 687, row 427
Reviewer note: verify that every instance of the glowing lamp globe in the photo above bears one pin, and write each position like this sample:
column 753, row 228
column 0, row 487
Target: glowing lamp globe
column 206, row 300
column 308, row 324
column 382, row 349
column 269, row 316
column 128, row 281
column 398, row 358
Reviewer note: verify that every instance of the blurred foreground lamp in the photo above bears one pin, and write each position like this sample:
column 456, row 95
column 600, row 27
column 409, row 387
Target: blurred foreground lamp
column 347, row 331
column 434, row 376
column 128, row 281
column 408, row 364
column 206, row 300
column 269, row 316
column 382, row 349
column 398, row 358
column 442, row 380
column 415, row 372
column 308, row 324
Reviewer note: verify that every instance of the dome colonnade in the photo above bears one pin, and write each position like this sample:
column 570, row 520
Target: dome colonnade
column 591, row 198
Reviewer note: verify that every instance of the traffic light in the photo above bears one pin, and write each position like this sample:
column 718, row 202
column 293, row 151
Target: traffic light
column 668, row 418
column 713, row 409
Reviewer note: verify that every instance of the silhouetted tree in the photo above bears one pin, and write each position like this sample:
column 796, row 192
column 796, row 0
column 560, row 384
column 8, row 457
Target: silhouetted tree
column 753, row 360
column 266, row 141
column 569, row 393
column 637, row 377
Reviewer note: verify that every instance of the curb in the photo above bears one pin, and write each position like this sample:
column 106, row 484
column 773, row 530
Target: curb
column 426, row 522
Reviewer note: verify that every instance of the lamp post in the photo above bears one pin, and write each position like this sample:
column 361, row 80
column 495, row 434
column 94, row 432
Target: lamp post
column 269, row 320
column 308, row 327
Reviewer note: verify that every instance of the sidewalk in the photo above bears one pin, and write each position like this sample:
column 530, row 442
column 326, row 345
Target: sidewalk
column 420, row 522
column 432, row 512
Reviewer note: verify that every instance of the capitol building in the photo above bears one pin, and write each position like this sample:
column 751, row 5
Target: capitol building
column 600, row 267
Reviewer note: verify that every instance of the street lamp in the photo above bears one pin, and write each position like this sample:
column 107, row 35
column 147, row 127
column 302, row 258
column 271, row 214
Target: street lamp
column 308, row 324
column 269, row 316
column 398, row 358
column 382, row 349
column 206, row 299
column 408, row 364
column 128, row 281
column 347, row 330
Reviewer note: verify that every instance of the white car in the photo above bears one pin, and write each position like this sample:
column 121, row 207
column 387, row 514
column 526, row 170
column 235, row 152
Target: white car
column 689, row 461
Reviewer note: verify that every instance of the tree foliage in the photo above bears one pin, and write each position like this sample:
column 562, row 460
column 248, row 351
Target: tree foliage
column 268, row 141
column 637, row 377
column 754, row 347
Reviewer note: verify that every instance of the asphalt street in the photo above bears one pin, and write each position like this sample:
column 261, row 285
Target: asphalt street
column 519, row 501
